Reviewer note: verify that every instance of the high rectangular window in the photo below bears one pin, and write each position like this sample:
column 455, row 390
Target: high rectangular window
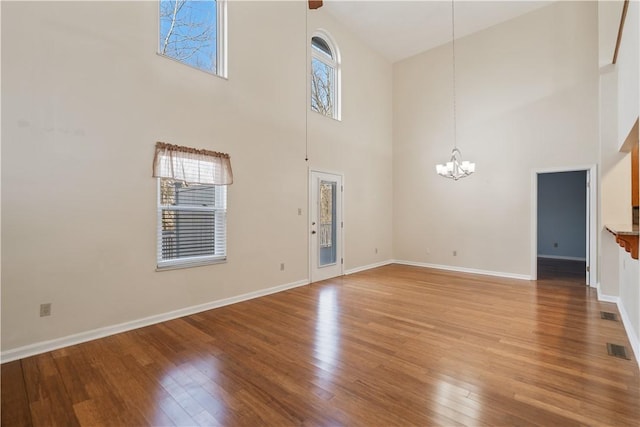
column 193, row 32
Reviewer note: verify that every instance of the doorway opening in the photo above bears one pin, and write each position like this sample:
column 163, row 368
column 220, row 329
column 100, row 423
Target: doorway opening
column 564, row 226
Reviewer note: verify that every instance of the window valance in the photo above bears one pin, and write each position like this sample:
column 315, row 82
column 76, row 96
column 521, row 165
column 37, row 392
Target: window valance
column 192, row 165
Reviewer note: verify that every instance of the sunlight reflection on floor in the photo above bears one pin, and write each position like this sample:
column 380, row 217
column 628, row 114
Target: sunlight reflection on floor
column 327, row 342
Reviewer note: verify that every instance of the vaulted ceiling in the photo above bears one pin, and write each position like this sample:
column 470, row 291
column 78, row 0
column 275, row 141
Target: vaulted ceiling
column 400, row 29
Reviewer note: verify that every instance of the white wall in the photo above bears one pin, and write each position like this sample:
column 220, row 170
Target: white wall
column 608, row 22
column 615, row 183
column 562, row 214
column 619, row 99
column 629, row 72
column 359, row 145
column 527, row 99
column 630, row 296
column 84, row 102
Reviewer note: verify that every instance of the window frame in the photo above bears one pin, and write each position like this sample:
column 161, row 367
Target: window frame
column 220, row 218
column 221, row 41
column 335, row 63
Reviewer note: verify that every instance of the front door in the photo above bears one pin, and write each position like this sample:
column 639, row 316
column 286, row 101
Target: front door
column 326, row 225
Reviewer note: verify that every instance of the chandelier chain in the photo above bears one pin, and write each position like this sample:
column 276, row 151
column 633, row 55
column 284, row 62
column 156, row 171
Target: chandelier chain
column 453, row 55
column 307, row 87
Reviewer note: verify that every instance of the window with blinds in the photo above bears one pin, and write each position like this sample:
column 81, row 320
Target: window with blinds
column 191, row 223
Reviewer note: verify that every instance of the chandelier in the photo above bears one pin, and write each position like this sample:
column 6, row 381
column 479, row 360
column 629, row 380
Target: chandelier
column 455, row 168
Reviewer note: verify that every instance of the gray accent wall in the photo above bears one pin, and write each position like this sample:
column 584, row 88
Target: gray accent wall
column 562, row 217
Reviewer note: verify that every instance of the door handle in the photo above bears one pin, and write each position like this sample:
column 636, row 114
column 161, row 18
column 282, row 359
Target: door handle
column 313, row 232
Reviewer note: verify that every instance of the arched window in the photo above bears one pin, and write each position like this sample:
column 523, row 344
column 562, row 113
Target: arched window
column 325, row 76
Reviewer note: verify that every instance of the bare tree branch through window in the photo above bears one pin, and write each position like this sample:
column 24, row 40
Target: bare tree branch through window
column 188, row 32
column 323, row 77
column 322, row 88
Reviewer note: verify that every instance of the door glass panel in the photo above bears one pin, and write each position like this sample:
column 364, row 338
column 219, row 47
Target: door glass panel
column 327, row 223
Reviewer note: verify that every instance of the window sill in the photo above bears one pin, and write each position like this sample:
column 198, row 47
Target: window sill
column 202, row 70
column 335, row 119
column 190, row 264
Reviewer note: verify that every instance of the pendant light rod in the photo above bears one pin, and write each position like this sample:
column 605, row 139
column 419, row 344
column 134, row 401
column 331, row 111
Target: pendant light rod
column 453, row 61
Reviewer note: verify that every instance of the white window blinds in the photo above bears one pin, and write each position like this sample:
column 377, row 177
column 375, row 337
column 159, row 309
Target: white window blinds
column 192, row 205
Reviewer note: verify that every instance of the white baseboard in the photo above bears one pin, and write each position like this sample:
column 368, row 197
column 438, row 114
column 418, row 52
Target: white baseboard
column 465, row 270
column 368, row 267
column 568, row 258
column 44, row 346
column 628, row 326
column 606, row 298
column 631, row 332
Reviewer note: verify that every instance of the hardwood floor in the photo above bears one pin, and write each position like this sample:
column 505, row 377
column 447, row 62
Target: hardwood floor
column 562, row 270
column 395, row 345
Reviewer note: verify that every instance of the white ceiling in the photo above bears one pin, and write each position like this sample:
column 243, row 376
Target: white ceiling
column 399, row 29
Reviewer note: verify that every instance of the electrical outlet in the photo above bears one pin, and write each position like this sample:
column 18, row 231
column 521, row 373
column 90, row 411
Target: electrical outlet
column 45, row 309
column 455, row 253
column 299, row 211
column 282, row 266
column 376, row 250
column 428, row 251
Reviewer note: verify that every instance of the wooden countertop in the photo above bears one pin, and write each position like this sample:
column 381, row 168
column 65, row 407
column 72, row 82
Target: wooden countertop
column 627, row 229
column 626, row 236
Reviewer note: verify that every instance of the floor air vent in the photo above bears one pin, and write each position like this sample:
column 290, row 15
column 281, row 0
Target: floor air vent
column 617, row 351
column 606, row 315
